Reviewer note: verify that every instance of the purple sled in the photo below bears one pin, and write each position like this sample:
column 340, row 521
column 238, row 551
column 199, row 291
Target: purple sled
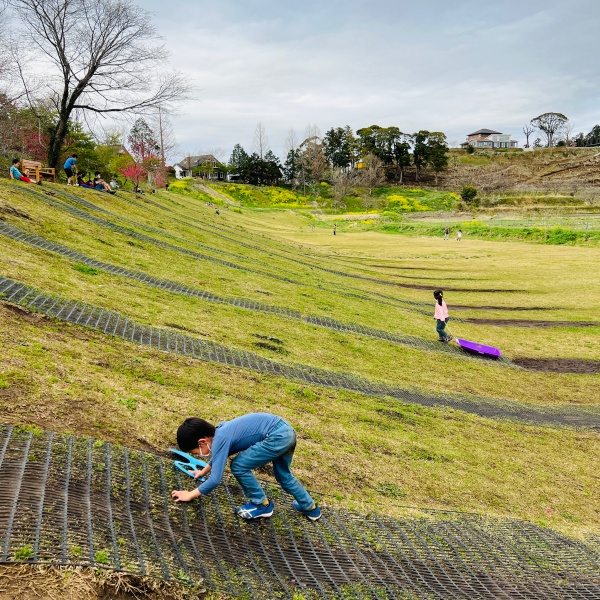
column 479, row 348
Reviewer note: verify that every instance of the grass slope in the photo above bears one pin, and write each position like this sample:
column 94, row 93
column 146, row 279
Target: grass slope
column 371, row 454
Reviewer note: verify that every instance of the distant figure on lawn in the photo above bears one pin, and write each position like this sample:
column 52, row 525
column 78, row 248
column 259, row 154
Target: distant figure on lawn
column 70, row 168
column 441, row 316
column 459, row 235
column 16, row 174
column 334, row 228
column 446, row 233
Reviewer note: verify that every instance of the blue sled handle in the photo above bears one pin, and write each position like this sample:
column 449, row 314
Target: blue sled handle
column 190, row 463
column 186, row 469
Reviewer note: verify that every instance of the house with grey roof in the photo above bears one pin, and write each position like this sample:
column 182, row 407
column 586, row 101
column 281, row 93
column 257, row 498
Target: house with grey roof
column 488, row 139
column 205, row 166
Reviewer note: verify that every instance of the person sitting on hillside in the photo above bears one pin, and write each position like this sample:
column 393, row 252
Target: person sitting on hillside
column 85, row 184
column 16, row 174
column 101, row 185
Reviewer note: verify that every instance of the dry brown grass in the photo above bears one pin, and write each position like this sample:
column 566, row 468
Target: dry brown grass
column 32, row 582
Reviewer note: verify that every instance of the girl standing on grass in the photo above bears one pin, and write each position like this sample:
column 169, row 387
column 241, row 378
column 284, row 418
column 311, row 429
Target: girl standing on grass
column 441, row 316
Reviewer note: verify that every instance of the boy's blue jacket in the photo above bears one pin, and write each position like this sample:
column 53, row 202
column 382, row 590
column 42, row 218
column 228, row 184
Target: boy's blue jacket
column 234, row 436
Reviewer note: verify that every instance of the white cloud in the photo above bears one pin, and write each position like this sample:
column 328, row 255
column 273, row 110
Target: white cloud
column 447, row 65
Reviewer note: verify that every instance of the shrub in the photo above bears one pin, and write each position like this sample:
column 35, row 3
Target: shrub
column 470, row 149
column 468, row 194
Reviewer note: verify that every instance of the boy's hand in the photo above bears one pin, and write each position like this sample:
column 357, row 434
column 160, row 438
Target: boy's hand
column 201, row 472
column 183, row 496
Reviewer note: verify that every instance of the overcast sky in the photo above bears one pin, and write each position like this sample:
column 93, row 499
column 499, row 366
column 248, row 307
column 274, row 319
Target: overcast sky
column 443, row 65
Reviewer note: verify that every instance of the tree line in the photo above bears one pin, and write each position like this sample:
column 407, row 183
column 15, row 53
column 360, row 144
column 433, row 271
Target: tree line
column 371, row 154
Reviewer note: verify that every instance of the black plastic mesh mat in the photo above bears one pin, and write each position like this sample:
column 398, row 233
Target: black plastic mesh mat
column 71, row 501
column 145, row 238
column 118, row 325
column 347, row 292
column 18, row 234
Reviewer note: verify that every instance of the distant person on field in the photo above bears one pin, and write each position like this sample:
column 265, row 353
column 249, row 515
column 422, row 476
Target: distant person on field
column 446, row 232
column 458, row 235
column 441, row 316
column 257, row 439
column 70, row 168
column 17, row 175
column 334, row 228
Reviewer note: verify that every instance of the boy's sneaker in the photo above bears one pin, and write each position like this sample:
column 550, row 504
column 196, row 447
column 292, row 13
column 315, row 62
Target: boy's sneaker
column 313, row 515
column 255, row 511
column 449, row 338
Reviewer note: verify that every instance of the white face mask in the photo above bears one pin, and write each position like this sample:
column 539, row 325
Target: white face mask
column 209, row 450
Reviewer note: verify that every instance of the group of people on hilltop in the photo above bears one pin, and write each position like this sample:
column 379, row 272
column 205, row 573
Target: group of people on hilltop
column 73, row 178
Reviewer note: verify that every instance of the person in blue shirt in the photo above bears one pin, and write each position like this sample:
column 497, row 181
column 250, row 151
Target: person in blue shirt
column 16, row 174
column 258, row 439
column 70, row 168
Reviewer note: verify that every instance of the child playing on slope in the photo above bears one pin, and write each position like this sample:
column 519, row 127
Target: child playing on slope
column 441, row 316
column 257, row 439
column 16, row 174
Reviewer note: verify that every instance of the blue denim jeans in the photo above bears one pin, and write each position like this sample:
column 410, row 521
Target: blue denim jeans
column 441, row 325
column 278, row 447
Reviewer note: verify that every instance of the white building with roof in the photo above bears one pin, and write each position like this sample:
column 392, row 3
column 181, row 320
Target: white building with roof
column 489, row 139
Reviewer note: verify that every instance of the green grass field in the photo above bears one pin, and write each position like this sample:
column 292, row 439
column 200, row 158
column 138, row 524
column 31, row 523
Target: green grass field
column 372, row 454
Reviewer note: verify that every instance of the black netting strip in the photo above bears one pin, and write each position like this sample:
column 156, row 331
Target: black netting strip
column 145, row 238
column 372, row 296
column 113, row 323
column 110, row 490
column 191, row 222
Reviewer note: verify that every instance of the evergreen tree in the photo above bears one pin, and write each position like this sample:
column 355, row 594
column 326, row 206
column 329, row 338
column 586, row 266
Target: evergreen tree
column 340, row 147
column 239, row 161
column 291, row 167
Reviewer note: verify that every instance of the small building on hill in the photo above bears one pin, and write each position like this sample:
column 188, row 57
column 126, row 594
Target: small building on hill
column 488, row 139
column 205, row 166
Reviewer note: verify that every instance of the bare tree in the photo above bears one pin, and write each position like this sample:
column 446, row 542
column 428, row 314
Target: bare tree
column 343, row 183
column 99, row 57
column 313, row 163
column 260, row 145
column 312, row 131
column 291, row 142
column 166, row 138
column 372, row 173
column 528, row 129
column 550, row 124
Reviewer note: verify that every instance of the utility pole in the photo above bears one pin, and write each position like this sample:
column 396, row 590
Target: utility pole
column 163, row 166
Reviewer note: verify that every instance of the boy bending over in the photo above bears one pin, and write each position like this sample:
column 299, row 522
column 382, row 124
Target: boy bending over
column 257, row 439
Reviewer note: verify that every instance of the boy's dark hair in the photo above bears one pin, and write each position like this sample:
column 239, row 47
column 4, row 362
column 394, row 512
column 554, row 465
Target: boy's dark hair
column 438, row 295
column 15, row 161
column 73, row 155
column 191, row 430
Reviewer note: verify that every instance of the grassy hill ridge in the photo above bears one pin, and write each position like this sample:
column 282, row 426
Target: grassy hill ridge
column 353, row 448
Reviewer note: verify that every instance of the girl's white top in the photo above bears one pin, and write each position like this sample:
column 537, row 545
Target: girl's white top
column 441, row 312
